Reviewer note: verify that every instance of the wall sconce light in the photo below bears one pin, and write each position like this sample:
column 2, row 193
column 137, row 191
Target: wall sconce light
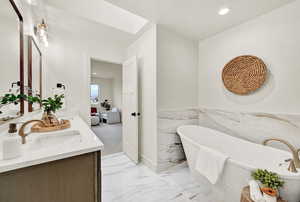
column 60, row 85
column 41, row 31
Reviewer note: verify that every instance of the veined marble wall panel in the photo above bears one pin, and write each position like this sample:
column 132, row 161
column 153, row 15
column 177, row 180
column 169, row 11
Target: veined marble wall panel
column 254, row 127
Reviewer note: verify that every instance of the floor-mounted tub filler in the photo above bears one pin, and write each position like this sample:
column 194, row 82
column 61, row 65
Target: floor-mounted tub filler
column 243, row 158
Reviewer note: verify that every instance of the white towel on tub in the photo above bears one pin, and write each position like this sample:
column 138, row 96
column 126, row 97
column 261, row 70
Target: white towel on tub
column 210, row 163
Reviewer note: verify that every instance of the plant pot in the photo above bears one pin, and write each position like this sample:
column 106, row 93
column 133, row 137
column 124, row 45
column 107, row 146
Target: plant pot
column 50, row 119
column 269, row 198
column 269, row 194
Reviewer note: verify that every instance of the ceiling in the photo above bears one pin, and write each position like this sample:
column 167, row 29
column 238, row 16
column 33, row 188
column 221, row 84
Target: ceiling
column 198, row 19
column 59, row 20
column 101, row 12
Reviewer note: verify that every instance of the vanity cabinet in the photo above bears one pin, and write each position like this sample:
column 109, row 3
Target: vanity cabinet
column 75, row 179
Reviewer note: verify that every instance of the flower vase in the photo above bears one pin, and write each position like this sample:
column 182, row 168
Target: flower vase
column 50, row 119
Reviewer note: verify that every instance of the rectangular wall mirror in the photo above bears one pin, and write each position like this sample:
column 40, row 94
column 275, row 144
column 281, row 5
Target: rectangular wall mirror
column 11, row 59
column 34, row 72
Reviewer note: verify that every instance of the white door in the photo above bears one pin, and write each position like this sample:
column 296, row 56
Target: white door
column 130, row 112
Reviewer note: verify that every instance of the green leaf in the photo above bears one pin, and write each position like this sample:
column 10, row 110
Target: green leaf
column 267, row 178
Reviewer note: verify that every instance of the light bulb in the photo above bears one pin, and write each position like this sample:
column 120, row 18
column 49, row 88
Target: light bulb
column 45, row 41
column 42, row 32
column 224, row 11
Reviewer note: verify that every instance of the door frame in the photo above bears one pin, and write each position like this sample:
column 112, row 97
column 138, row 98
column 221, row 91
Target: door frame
column 88, row 64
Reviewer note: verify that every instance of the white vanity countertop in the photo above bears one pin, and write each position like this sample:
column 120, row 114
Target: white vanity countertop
column 87, row 142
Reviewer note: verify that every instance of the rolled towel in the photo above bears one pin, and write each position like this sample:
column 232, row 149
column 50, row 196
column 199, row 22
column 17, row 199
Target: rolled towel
column 255, row 192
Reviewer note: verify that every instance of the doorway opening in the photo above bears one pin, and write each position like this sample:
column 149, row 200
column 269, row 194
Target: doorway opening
column 106, row 104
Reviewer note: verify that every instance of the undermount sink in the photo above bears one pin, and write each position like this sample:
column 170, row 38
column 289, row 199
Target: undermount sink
column 52, row 140
column 42, row 141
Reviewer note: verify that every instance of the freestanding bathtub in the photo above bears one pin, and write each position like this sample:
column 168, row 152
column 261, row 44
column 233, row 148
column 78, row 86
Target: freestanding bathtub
column 244, row 157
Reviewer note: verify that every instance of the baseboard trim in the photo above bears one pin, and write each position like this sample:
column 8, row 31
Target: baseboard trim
column 112, row 155
column 144, row 160
column 147, row 162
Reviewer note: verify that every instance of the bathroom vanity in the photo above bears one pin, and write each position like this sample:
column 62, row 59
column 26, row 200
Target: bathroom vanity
column 63, row 166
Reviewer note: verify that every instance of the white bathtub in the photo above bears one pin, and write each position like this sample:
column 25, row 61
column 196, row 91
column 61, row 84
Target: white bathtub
column 244, row 157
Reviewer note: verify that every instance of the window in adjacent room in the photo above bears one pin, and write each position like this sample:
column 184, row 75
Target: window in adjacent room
column 95, row 93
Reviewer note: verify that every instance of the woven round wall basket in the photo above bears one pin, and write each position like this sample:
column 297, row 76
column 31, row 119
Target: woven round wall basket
column 244, row 74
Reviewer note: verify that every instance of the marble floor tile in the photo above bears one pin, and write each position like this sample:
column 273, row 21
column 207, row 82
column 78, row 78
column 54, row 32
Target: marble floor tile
column 123, row 181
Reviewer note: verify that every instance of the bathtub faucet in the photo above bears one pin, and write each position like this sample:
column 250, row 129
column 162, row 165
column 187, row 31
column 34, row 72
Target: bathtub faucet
column 294, row 151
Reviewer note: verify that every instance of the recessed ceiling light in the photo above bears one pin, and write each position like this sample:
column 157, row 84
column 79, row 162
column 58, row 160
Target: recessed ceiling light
column 224, row 11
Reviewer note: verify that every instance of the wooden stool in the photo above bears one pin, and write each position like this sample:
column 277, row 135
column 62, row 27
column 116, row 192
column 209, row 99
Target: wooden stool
column 245, row 197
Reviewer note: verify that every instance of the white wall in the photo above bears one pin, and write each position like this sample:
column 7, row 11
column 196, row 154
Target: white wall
column 177, row 70
column 274, row 37
column 168, row 78
column 145, row 50
column 65, row 63
column 68, row 57
column 113, row 72
column 10, row 48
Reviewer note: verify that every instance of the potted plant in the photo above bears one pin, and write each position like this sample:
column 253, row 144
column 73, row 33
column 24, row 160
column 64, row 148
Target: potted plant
column 14, row 97
column 50, row 106
column 10, row 98
column 270, row 182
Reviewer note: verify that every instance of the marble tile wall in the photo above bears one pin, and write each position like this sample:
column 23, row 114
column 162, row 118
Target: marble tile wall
column 169, row 144
column 254, row 127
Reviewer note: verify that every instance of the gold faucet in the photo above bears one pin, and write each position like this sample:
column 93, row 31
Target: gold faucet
column 21, row 131
column 294, row 151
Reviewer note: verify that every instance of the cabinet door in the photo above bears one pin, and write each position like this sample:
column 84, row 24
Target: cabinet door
column 74, row 179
